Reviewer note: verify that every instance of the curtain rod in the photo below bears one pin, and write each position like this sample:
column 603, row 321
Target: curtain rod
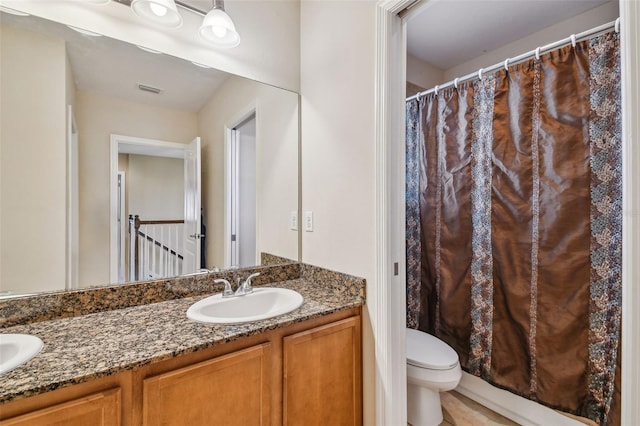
column 573, row 39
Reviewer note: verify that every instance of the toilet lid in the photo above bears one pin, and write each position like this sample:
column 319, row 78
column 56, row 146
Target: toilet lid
column 427, row 351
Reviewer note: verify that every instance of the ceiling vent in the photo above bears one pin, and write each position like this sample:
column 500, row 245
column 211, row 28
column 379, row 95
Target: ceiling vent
column 150, row 89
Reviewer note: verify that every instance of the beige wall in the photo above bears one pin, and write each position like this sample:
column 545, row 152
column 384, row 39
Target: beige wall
column 98, row 117
column 422, row 73
column 32, row 132
column 338, row 147
column 155, row 187
column 426, row 75
column 582, row 22
column 277, row 158
column 70, row 84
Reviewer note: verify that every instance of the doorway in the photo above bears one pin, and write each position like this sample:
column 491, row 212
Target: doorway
column 73, row 209
column 388, row 295
column 182, row 255
column 242, row 193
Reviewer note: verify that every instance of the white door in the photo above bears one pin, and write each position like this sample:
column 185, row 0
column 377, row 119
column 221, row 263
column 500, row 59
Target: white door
column 243, row 194
column 247, row 194
column 191, row 252
column 234, row 245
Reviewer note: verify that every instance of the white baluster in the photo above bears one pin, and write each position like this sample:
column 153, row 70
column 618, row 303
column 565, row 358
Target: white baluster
column 169, row 255
column 174, row 264
column 152, row 252
column 146, row 255
column 163, row 253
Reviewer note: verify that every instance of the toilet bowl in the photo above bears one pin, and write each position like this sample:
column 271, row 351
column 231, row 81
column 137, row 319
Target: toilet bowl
column 432, row 367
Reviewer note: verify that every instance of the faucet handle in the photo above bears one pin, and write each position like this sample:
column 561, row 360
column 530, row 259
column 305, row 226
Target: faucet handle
column 247, row 282
column 245, row 287
column 228, row 292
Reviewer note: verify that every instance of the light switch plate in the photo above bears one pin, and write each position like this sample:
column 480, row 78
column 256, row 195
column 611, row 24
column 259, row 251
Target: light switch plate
column 308, row 221
column 293, row 220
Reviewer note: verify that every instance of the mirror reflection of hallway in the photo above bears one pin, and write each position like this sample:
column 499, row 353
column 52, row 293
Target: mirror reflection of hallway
column 243, row 215
column 160, row 205
column 49, row 65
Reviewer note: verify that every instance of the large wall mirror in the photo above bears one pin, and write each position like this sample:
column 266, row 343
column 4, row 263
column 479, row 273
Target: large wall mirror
column 120, row 163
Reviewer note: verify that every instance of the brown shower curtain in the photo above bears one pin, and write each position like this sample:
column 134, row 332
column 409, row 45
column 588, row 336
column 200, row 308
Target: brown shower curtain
column 514, row 225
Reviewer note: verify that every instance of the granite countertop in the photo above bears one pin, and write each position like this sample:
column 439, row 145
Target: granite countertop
column 86, row 347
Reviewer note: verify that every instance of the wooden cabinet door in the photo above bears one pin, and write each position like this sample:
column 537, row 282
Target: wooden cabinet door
column 323, row 375
column 233, row 389
column 99, row 409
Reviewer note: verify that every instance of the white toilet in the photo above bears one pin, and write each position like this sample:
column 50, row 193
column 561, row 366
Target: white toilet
column 432, row 367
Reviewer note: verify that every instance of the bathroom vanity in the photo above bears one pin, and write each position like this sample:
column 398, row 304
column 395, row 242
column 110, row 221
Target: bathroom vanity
column 149, row 364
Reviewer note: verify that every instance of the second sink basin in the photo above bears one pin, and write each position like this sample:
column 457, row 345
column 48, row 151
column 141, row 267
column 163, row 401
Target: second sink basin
column 16, row 349
column 263, row 303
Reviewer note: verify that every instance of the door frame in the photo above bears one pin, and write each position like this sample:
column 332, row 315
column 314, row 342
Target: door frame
column 72, row 201
column 251, row 109
column 630, row 68
column 121, row 199
column 131, row 145
column 387, row 300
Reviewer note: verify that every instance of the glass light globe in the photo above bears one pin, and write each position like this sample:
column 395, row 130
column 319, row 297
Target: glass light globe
column 159, row 12
column 218, row 29
column 219, row 32
column 158, row 9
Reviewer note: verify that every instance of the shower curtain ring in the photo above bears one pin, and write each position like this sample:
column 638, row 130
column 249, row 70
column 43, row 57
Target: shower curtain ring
column 435, row 89
column 617, row 25
column 506, row 64
column 480, row 74
column 573, row 40
column 538, row 53
column 455, row 83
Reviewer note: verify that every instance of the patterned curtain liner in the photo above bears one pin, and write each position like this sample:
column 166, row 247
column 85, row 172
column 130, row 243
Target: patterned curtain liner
column 514, row 226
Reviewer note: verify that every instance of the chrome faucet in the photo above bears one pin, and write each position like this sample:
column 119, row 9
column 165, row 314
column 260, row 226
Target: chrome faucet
column 243, row 288
column 227, row 292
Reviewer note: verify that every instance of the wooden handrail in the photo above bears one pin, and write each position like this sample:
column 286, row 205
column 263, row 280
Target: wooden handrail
column 159, row 222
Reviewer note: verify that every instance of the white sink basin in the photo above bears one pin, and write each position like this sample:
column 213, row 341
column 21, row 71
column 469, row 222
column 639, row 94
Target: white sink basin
column 263, row 303
column 16, row 349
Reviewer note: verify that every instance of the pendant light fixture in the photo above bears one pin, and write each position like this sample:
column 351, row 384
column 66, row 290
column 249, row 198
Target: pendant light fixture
column 160, row 12
column 217, row 27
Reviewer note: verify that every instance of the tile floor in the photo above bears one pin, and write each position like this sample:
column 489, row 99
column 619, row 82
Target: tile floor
column 458, row 410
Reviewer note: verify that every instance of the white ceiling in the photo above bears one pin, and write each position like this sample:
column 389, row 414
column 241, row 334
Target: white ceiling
column 110, row 67
column 447, row 33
